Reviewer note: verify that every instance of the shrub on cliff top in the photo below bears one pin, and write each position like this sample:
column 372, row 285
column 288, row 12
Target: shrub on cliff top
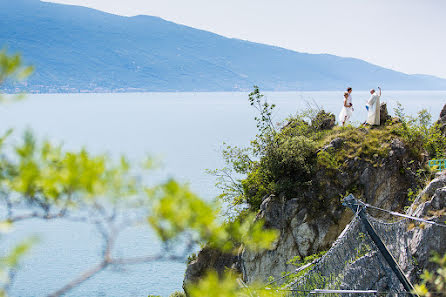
column 280, row 159
column 422, row 135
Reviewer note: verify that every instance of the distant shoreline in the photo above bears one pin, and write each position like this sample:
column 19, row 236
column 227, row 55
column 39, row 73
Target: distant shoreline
column 200, row 91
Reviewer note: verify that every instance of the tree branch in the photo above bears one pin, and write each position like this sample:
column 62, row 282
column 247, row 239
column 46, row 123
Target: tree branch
column 76, row 282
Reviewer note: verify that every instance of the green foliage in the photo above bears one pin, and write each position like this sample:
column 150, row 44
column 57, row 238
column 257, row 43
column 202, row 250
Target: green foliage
column 256, row 186
column 276, row 161
column 229, row 286
column 238, row 158
column 422, row 135
column 192, row 257
column 45, row 175
column 12, row 260
column 312, row 280
column 11, row 67
column 412, row 195
column 284, row 168
column 238, row 163
column 328, row 159
column 176, row 210
column 265, row 126
column 363, row 248
column 433, row 283
column 52, row 182
column 298, row 261
column 366, row 144
column 177, row 294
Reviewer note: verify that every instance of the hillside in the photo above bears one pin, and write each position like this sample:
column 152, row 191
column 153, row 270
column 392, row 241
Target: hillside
column 76, row 48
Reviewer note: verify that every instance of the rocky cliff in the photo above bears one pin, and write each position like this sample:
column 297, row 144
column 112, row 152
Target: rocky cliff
column 304, row 232
column 381, row 170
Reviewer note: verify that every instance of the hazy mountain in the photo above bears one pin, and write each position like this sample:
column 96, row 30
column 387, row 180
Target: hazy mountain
column 76, row 48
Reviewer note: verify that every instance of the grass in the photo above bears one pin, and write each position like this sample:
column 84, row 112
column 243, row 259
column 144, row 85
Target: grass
column 367, row 143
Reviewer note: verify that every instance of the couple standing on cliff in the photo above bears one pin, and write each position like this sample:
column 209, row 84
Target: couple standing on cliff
column 373, row 107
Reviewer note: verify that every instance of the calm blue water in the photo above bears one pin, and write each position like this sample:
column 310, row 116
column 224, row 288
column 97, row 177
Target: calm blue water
column 185, row 130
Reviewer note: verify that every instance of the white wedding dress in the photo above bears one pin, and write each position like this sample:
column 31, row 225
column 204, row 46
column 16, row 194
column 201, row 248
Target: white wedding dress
column 346, row 112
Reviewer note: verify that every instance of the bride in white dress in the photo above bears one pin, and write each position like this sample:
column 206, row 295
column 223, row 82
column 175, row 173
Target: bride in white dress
column 347, row 109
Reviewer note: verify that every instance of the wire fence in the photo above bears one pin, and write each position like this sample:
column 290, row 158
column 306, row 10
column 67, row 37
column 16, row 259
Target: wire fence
column 354, row 262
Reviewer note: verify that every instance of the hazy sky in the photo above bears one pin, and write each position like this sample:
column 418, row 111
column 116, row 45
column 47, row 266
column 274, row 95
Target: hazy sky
column 405, row 35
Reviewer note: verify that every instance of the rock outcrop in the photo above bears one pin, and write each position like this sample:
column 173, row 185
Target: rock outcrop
column 442, row 120
column 305, row 231
column 209, row 258
column 384, row 114
column 324, row 121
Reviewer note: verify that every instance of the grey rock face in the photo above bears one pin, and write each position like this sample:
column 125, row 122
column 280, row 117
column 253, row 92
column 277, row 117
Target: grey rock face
column 435, row 185
column 303, row 234
column 442, row 120
column 207, row 259
column 366, row 274
column 443, row 112
column 300, row 236
column 411, row 247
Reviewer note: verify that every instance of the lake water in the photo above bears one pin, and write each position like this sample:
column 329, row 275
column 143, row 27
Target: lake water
column 185, row 130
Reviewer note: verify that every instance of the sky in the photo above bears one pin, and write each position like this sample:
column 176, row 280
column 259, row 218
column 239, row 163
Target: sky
column 404, row 35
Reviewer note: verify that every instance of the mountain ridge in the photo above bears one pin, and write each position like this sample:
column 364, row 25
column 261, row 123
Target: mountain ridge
column 75, row 48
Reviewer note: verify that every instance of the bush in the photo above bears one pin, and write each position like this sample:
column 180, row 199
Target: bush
column 419, row 132
column 278, row 160
column 286, row 162
column 177, row 294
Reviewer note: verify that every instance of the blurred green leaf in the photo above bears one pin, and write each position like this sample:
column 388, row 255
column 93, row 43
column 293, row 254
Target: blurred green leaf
column 176, row 210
